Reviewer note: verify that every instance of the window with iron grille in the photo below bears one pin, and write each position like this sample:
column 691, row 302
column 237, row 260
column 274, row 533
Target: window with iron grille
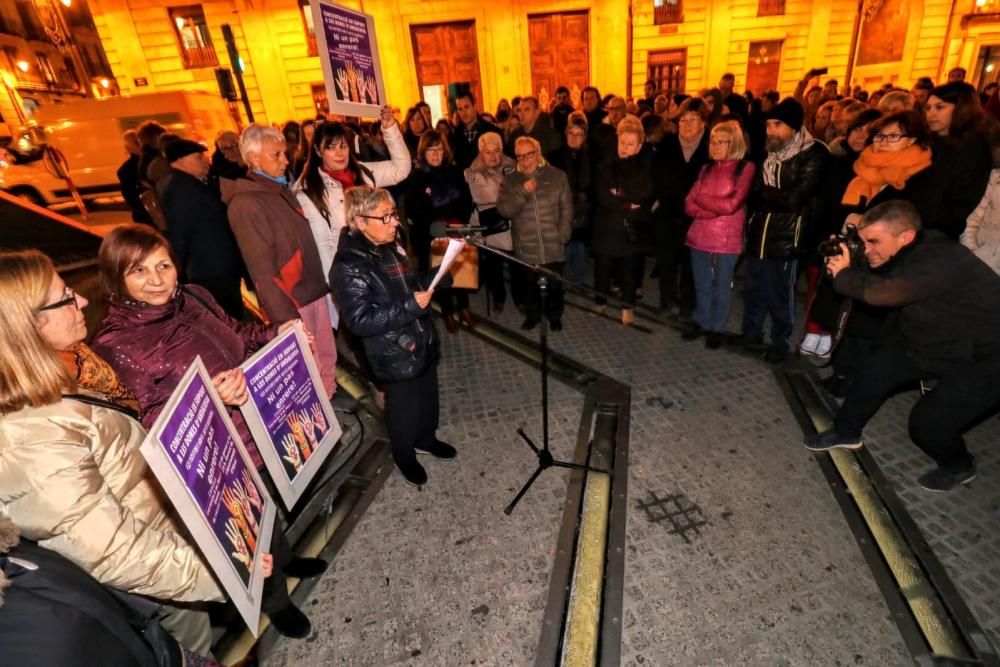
column 320, row 100
column 45, row 68
column 667, row 11
column 307, row 25
column 193, row 37
column 667, row 70
column 770, row 7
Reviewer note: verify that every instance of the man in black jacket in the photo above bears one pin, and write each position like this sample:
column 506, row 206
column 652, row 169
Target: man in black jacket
column 781, row 210
column 945, row 327
column 464, row 139
column 198, row 227
column 128, row 178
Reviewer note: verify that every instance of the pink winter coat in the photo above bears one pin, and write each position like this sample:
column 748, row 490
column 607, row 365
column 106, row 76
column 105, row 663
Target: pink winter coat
column 717, row 202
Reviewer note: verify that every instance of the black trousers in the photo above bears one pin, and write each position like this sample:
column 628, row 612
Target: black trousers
column 274, row 595
column 226, row 291
column 937, row 420
column 411, row 414
column 555, row 301
column 491, row 275
column 622, row 270
column 674, row 261
column 451, row 299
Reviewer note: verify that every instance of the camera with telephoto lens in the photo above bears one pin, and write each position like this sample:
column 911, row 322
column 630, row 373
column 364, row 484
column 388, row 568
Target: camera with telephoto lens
column 852, row 239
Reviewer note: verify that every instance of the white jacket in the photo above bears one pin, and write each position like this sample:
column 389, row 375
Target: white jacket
column 982, row 228
column 327, row 232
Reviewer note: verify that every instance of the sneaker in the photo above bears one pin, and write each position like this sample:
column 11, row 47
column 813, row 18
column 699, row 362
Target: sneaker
column 776, row 355
column 809, row 343
column 830, row 439
column 555, row 325
column 824, row 345
column 529, row 324
column 289, row 621
column 940, row 480
column 694, row 333
column 713, row 340
column 439, row 450
column 305, row 568
column 413, row 473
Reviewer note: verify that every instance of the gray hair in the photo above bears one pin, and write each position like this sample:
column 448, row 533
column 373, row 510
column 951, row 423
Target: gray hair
column 253, row 138
column 363, row 199
column 490, row 139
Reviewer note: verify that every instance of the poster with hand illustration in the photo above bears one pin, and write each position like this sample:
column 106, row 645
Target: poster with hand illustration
column 348, row 52
column 197, row 456
column 288, row 413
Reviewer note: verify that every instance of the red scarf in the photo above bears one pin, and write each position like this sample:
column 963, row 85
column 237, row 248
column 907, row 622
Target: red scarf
column 346, row 177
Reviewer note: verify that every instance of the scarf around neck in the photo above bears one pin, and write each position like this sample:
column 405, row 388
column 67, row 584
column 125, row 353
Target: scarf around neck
column 94, row 374
column 281, row 180
column 799, row 142
column 346, row 177
column 877, row 170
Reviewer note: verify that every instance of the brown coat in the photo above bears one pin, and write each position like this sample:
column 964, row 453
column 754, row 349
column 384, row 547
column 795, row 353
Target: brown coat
column 277, row 245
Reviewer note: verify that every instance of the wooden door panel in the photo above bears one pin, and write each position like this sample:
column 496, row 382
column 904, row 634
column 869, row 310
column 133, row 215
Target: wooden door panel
column 446, row 53
column 560, row 51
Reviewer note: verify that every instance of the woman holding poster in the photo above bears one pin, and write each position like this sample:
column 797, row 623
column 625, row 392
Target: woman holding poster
column 385, row 305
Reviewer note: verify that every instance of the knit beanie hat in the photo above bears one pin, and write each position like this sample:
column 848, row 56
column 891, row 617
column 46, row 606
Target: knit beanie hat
column 789, row 112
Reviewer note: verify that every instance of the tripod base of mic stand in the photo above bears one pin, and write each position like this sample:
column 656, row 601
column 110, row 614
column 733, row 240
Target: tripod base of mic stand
column 545, row 461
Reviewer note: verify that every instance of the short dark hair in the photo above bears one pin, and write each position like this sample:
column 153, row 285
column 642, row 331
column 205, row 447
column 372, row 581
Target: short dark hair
column 592, row 89
column 728, row 75
column 897, row 214
column 149, row 133
column 124, row 247
column 430, row 139
column 577, row 119
column 924, row 83
column 773, row 96
column 562, row 89
column 910, row 122
column 694, row 105
column 467, row 93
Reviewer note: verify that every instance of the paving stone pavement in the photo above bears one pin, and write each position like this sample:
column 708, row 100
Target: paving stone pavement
column 772, row 577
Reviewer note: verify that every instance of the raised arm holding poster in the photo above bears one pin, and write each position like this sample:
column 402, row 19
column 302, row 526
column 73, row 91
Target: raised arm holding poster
column 348, row 52
column 292, row 422
column 199, row 460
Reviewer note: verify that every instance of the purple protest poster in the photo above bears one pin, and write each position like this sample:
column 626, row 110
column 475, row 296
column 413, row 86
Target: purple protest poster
column 196, row 454
column 349, row 55
column 288, row 413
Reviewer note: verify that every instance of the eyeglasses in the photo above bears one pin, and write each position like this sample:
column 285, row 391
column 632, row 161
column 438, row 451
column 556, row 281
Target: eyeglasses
column 888, row 138
column 521, row 157
column 385, row 219
column 436, row 149
column 720, row 142
column 577, row 134
column 69, row 298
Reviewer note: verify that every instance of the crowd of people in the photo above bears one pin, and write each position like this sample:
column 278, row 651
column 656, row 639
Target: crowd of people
column 330, row 223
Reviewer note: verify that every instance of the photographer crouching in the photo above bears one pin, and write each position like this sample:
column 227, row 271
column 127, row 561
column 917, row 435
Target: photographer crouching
column 944, row 327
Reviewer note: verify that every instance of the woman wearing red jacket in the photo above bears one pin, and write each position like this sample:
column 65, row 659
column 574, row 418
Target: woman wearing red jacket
column 717, row 202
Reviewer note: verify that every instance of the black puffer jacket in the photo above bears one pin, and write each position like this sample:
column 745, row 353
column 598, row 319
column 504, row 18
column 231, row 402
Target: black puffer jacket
column 374, row 286
column 781, row 216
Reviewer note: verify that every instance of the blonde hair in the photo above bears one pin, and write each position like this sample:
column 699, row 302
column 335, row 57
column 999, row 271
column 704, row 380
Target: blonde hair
column 489, row 139
column 737, row 142
column 531, row 141
column 31, row 372
column 362, row 199
column 631, row 125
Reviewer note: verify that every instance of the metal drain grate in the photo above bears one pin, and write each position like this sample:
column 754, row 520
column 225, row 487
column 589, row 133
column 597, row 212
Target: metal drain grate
column 677, row 513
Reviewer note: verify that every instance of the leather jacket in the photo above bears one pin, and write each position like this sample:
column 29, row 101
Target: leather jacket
column 373, row 287
column 781, row 216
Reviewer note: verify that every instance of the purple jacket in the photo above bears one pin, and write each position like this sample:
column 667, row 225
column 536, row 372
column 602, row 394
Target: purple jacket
column 150, row 347
column 717, row 202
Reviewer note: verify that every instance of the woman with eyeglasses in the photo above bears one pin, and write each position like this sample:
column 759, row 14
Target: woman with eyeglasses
column 226, row 160
column 331, row 169
column 437, row 192
column 387, row 306
column 962, row 134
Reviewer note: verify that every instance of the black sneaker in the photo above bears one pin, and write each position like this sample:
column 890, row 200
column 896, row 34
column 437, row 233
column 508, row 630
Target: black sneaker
column 305, row 568
column 776, row 355
column 529, row 324
column 291, row 622
column 555, row 325
column 713, row 340
column 694, row 333
column 439, row 450
column 413, row 473
column 830, row 439
column 940, row 480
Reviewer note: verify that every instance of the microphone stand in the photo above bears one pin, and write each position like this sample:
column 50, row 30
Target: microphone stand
column 543, row 453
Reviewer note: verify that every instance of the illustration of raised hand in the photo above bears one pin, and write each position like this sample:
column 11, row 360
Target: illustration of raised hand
column 231, row 499
column 308, row 428
column 343, row 85
column 292, row 454
column 233, row 534
column 298, row 431
column 319, row 419
column 247, row 506
column 354, row 81
column 252, row 492
column 372, row 90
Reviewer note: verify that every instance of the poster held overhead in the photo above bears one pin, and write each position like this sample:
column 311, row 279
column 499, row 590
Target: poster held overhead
column 288, row 413
column 348, row 52
column 197, row 456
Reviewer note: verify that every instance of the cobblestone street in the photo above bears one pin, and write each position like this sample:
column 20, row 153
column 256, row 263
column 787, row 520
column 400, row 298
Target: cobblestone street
column 737, row 552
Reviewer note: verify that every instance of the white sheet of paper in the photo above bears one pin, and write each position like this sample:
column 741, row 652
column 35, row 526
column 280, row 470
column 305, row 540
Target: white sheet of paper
column 454, row 248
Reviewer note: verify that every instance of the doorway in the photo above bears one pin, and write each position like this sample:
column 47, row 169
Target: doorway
column 560, row 53
column 763, row 65
column 447, row 53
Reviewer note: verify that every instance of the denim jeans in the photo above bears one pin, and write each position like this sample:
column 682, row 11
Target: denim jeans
column 576, row 262
column 769, row 289
column 713, row 288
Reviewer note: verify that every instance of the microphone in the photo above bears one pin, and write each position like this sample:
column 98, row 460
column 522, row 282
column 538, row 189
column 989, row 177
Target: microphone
column 440, row 229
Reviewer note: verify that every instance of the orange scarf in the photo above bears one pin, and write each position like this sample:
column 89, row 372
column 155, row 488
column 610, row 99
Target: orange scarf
column 876, row 170
column 94, row 374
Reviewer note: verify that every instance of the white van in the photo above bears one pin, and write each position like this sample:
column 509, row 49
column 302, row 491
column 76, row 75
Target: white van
column 88, row 133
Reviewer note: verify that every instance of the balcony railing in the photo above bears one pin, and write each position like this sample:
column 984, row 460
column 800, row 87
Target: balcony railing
column 199, row 57
column 770, row 7
column 668, row 12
